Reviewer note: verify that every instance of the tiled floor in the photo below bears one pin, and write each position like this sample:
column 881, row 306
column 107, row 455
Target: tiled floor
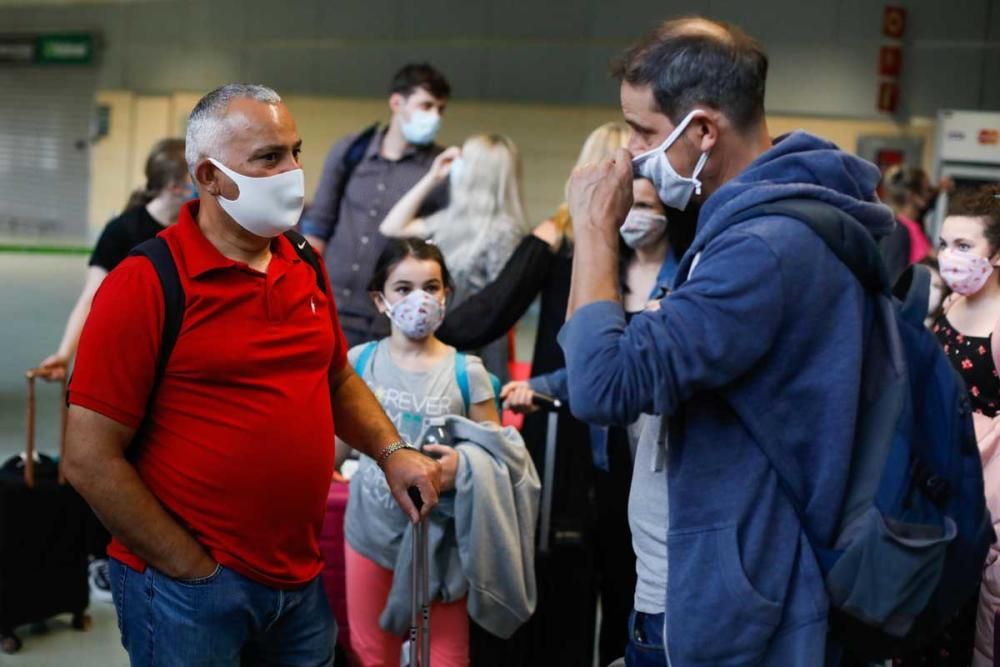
column 63, row 646
column 36, row 293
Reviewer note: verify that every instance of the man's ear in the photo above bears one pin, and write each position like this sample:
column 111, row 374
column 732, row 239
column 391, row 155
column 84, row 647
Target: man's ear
column 210, row 179
column 707, row 129
column 396, row 102
column 206, row 177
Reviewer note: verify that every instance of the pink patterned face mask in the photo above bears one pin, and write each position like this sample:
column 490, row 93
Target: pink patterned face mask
column 964, row 272
column 418, row 314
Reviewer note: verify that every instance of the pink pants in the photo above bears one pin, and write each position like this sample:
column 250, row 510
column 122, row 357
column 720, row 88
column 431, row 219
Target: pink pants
column 368, row 587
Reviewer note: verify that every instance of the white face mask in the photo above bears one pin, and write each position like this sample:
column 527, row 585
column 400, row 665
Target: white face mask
column 674, row 190
column 417, row 315
column 267, row 206
column 643, row 228
column 422, row 127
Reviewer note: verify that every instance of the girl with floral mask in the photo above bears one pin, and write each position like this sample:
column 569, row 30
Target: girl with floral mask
column 414, row 376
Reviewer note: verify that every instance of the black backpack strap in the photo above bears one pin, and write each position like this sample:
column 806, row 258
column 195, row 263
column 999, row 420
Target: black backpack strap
column 356, row 152
column 158, row 253
column 847, row 238
column 352, row 158
column 307, row 255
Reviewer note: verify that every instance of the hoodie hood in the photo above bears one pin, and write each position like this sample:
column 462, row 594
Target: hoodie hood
column 798, row 166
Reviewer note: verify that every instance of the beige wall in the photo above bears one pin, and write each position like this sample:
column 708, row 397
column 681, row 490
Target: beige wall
column 548, row 137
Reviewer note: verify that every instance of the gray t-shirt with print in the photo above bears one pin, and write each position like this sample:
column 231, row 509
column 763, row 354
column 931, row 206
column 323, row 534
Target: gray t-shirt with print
column 374, row 523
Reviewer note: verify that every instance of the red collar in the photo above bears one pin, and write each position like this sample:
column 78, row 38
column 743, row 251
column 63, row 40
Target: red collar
column 200, row 256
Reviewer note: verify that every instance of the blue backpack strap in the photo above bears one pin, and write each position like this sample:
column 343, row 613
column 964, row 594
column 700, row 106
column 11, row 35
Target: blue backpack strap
column 158, row 253
column 462, row 377
column 847, row 238
column 367, row 352
column 495, row 381
column 914, row 291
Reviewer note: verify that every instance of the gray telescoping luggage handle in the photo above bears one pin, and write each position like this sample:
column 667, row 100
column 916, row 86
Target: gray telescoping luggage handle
column 552, row 405
column 420, row 603
column 29, row 448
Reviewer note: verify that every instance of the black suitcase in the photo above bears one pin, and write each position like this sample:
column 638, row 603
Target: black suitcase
column 561, row 631
column 43, row 539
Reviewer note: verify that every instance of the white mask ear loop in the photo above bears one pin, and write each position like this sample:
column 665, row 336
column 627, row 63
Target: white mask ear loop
column 671, row 138
column 386, row 304
column 697, row 170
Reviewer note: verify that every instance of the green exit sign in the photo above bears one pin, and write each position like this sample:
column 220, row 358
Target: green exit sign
column 56, row 49
column 64, row 49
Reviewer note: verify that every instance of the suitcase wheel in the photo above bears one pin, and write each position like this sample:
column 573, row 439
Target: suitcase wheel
column 10, row 643
column 81, row 622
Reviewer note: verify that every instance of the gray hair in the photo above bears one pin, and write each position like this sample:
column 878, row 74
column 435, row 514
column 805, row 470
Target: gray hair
column 207, row 125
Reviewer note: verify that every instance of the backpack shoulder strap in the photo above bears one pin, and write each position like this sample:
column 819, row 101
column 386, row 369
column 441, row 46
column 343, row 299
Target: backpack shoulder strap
column 356, row 151
column 158, row 253
column 916, row 296
column 367, row 352
column 462, row 378
column 353, row 156
column 846, row 237
column 306, row 253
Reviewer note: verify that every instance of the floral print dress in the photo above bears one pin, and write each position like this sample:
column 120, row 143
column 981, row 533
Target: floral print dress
column 972, row 358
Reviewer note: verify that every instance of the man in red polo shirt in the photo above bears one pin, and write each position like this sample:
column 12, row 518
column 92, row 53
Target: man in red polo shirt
column 216, row 505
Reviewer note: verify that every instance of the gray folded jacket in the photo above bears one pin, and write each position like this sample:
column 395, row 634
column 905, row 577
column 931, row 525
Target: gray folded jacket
column 482, row 537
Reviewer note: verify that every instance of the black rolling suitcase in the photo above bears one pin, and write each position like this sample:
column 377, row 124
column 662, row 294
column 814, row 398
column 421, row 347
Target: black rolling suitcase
column 43, row 539
column 561, row 631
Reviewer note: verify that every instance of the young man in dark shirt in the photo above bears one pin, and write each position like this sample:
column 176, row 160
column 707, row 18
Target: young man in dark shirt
column 363, row 177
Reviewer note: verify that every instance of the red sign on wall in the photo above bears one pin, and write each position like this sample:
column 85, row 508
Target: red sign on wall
column 894, row 22
column 890, row 61
column 989, row 137
column 888, row 96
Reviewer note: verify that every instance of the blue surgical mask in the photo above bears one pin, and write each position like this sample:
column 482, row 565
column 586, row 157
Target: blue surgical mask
column 191, row 193
column 422, row 127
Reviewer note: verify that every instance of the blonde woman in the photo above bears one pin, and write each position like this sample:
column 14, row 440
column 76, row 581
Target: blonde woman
column 600, row 145
column 590, row 503
column 484, row 220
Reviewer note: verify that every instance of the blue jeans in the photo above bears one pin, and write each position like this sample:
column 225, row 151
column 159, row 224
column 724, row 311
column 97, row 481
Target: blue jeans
column 645, row 641
column 223, row 620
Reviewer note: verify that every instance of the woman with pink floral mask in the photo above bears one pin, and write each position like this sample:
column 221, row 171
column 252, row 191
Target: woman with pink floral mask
column 968, row 255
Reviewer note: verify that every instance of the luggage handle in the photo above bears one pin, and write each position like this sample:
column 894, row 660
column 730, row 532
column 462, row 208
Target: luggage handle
column 420, row 603
column 29, row 449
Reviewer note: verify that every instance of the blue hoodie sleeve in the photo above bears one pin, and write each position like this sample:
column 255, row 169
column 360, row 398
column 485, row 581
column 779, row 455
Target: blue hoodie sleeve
column 553, row 384
column 709, row 332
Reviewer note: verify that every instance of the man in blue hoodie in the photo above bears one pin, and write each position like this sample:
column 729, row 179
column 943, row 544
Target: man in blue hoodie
column 759, row 345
